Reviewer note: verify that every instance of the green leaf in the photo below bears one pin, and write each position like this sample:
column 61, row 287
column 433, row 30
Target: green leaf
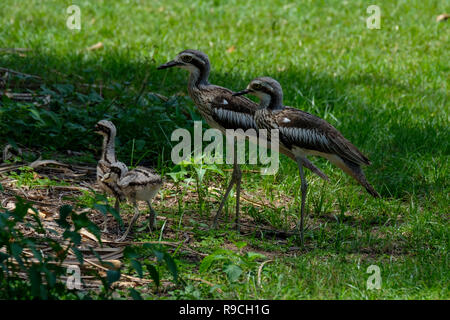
column 102, row 208
column 130, row 253
column 31, row 245
column 233, row 272
column 21, row 209
column 137, row 266
column 154, row 274
column 105, row 209
column 75, row 237
column 240, row 244
column 64, row 212
column 135, row 294
column 80, row 220
column 16, row 251
column 206, row 263
column 158, row 254
column 3, row 257
column 51, row 277
column 200, row 173
column 78, row 254
column 35, row 279
column 112, row 276
column 115, row 214
column 172, row 266
column 255, row 255
column 36, row 116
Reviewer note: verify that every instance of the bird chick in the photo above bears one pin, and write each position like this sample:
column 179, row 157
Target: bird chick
column 139, row 184
column 108, row 130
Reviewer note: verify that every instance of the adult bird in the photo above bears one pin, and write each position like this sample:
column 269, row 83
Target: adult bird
column 222, row 111
column 305, row 134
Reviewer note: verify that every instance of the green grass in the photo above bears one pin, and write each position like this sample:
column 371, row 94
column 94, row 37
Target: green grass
column 386, row 90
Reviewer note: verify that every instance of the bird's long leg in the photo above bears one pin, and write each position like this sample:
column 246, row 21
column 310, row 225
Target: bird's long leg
column 105, row 224
column 152, row 216
column 234, row 178
column 133, row 220
column 224, row 199
column 304, row 189
column 238, row 176
column 117, row 208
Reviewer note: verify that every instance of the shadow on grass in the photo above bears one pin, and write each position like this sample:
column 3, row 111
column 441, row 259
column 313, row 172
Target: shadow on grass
column 408, row 155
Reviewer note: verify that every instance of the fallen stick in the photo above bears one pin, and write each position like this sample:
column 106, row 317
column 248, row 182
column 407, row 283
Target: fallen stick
column 168, row 243
column 19, row 73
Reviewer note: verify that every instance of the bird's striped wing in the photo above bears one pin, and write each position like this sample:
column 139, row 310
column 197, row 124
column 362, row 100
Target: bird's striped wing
column 232, row 112
column 304, row 130
column 139, row 176
column 237, row 112
column 150, row 174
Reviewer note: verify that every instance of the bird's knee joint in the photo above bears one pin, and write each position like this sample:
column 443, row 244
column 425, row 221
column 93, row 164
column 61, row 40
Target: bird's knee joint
column 304, row 187
column 237, row 174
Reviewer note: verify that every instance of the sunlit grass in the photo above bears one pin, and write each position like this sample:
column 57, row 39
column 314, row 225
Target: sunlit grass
column 386, row 90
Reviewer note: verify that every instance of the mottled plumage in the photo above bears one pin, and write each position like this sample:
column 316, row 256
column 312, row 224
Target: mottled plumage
column 108, row 157
column 309, row 132
column 139, row 184
column 304, row 134
column 220, row 108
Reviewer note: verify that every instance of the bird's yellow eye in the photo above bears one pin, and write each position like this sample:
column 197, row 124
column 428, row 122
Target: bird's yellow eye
column 256, row 86
column 186, row 58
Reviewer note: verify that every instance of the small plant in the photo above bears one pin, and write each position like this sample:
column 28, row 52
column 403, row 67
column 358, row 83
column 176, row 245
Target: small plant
column 138, row 258
column 25, row 271
column 28, row 177
column 195, row 170
column 235, row 265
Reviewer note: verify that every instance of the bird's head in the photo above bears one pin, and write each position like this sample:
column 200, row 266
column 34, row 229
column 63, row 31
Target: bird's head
column 105, row 128
column 266, row 89
column 192, row 60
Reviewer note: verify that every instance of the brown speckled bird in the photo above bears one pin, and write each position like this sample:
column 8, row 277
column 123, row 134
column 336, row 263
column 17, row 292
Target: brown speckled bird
column 139, row 184
column 108, row 130
column 222, row 111
column 305, row 134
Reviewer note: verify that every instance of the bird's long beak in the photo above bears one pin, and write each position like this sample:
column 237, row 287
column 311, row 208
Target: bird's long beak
column 240, row 93
column 169, row 64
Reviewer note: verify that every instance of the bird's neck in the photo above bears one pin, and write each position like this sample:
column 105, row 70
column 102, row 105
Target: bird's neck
column 271, row 102
column 198, row 77
column 108, row 148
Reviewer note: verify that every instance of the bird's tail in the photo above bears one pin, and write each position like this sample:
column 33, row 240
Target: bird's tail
column 354, row 170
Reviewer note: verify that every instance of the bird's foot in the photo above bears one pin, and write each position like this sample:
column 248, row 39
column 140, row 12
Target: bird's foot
column 120, row 230
column 121, row 239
